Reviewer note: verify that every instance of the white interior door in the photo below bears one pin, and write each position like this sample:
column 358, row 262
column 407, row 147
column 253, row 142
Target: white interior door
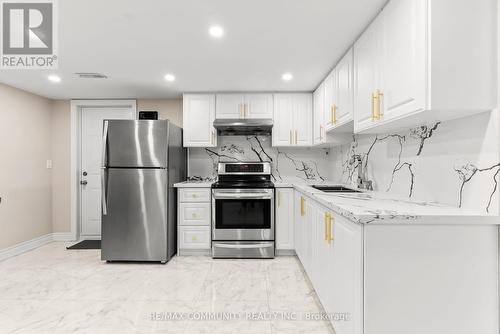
column 90, row 161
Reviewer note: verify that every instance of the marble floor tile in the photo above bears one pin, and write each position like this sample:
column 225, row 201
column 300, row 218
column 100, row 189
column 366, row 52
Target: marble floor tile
column 54, row 290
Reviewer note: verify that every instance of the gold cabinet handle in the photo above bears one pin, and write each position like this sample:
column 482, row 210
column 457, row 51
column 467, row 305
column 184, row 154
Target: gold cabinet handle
column 374, row 97
column 302, row 206
column 240, row 108
column 296, row 136
column 212, row 139
column 321, row 133
column 326, row 226
column 245, row 110
column 331, row 114
column 279, row 198
column 334, row 114
column 330, row 219
column 379, row 107
column 291, row 140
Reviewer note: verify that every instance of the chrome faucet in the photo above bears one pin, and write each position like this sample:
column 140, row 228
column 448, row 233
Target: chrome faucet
column 362, row 181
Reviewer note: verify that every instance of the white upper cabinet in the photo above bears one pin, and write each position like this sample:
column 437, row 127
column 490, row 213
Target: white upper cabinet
column 366, row 75
column 258, row 105
column 343, row 102
column 330, row 99
column 244, row 106
column 292, row 119
column 319, row 115
column 338, row 107
column 403, row 58
column 230, row 106
column 198, row 118
column 418, row 62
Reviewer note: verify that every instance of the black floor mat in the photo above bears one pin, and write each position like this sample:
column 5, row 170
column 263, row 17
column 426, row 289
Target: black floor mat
column 86, row 244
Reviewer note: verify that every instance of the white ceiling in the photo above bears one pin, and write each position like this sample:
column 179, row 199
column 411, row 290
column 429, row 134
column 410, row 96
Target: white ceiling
column 137, row 42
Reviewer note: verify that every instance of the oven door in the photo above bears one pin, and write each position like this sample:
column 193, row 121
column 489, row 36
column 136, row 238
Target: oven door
column 243, row 214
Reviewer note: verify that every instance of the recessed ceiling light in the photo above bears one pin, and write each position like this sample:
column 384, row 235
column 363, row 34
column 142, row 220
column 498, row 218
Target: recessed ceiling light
column 287, row 76
column 170, row 77
column 216, row 31
column 54, row 78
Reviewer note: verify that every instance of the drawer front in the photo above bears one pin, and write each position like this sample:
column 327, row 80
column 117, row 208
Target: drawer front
column 194, row 214
column 194, row 237
column 194, row 195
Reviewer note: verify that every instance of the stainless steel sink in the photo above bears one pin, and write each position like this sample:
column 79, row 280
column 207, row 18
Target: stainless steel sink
column 335, row 189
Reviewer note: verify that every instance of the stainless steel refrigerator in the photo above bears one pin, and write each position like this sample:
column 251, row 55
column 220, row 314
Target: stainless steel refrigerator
column 140, row 163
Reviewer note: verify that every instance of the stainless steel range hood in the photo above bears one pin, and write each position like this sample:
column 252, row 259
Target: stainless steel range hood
column 243, row 127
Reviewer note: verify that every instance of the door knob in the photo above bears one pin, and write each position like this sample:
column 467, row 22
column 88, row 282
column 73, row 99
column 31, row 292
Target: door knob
column 84, row 173
column 84, row 182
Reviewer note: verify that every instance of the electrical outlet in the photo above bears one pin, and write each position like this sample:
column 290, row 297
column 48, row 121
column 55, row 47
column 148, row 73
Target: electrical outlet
column 49, row 164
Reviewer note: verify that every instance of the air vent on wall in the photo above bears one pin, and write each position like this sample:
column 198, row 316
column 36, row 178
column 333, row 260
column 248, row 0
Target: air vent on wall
column 91, row 75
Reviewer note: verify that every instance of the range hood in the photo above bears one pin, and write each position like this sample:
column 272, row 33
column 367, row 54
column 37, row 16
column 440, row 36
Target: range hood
column 243, row 127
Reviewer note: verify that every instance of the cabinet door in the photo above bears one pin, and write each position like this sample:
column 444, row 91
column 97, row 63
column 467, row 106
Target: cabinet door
column 343, row 271
column 366, row 75
column 404, row 54
column 330, row 99
column 318, row 107
column 258, row 106
column 283, row 131
column 299, row 222
column 344, row 90
column 302, row 119
column 284, row 218
column 309, row 234
column 198, row 119
column 230, row 106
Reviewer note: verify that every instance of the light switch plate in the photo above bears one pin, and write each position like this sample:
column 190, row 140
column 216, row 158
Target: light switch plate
column 49, row 164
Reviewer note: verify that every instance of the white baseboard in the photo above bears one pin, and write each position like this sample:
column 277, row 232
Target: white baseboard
column 33, row 243
column 285, row 252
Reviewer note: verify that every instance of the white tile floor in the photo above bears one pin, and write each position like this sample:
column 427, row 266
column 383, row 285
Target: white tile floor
column 53, row 290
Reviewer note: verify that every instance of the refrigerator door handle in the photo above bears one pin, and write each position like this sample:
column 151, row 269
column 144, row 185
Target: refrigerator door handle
column 104, row 190
column 104, row 145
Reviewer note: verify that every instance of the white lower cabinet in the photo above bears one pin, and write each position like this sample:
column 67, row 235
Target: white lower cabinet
column 194, row 237
column 399, row 278
column 284, row 219
column 194, row 221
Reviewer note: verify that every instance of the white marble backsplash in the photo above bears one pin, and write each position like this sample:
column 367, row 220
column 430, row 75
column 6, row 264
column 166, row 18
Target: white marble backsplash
column 455, row 162
column 303, row 163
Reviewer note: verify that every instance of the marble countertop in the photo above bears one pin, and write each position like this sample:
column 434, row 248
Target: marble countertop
column 372, row 207
column 193, row 184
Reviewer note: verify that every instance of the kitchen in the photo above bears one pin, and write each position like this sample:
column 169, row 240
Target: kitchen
column 335, row 174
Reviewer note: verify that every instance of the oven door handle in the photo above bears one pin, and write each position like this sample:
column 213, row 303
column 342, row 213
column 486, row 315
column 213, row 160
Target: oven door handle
column 236, row 246
column 242, row 196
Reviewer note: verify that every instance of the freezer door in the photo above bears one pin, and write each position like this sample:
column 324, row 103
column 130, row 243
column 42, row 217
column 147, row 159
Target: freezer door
column 129, row 143
column 134, row 219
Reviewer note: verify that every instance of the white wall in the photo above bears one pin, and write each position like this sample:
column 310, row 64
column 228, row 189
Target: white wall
column 25, row 182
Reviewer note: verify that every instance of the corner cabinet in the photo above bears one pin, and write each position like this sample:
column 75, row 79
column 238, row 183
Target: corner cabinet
column 418, row 63
column 198, row 116
column 292, row 120
column 254, row 105
column 284, row 219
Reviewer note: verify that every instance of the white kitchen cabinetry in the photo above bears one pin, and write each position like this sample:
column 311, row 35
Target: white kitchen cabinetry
column 329, row 100
column 198, row 118
column 419, row 63
column 319, row 115
column 292, row 119
column 339, row 94
column 193, row 220
column 253, row 105
column 387, row 278
column 284, row 219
